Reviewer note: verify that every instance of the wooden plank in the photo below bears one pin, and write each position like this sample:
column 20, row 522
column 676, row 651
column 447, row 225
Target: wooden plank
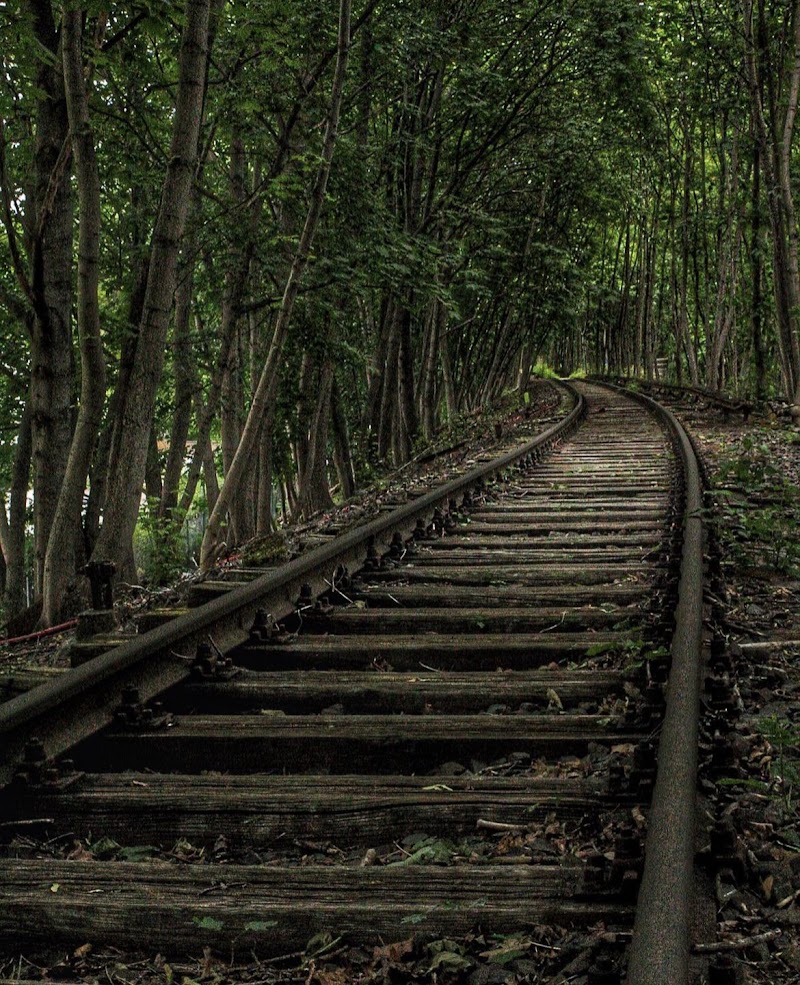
column 179, row 909
column 497, row 595
column 542, row 528
column 454, row 651
column 532, row 552
column 19, row 681
column 348, row 743
column 551, row 489
column 309, row 691
column 521, row 506
column 258, row 811
column 452, row 620
column 529, row 575
column 579, row 512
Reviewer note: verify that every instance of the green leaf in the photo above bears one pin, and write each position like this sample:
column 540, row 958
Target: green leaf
column 208, row 923
column 450, row 961
column 507, row 951
column 136, row 853
column 105, row 846
column 259, row 925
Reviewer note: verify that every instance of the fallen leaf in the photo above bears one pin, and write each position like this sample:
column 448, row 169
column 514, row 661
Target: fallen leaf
column 80, row 854
column 394, row 953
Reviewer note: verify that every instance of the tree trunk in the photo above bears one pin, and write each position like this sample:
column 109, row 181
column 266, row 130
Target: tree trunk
column 186, row 385
column 209, row 474
column 342, row 456
column 775, row 148
column 390, row 384
column 136, row 416
column 13, row 536
column 450, row 399
column 757, row 276
column 50, row 250
column 59, row 564
column 264, row 521
column 314, row 493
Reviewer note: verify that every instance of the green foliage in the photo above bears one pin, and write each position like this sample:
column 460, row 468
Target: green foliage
column 561, row 181
column 430, row 851
column 763, row 526
column 784, row 737
column 546, row 372
column 158, row 548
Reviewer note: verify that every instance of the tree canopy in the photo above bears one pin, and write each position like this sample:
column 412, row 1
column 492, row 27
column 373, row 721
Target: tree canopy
column 257, row 249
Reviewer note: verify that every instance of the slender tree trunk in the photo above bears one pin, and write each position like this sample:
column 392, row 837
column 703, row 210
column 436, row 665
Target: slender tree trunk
column 59, row 564
column 390, row 381
column 408, row 408
column 314, row 493
column 186, row 385
column 757, row 277
column 450, row 398
column 50, row 250
column 13, row 536
column 775, row 151
column 210, row 474
column 304, row 411
column 342, row 456
column 136, row 416
column 264, row 521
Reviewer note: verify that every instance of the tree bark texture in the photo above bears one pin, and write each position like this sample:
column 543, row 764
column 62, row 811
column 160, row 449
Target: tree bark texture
column 49, row 247
column 60, row 560
column 136, row 417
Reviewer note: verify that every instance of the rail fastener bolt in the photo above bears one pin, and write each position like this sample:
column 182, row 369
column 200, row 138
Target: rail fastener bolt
column 654, row 700
column 626, row 869
column 723, row 759
column 305, row 599
column 719, row 656
column 617, row 780
column 372, row 562
column 604, row 971
column 644, row 766
column 724, row 970
column 727, row 851
column 263, row 631
column 595, row 873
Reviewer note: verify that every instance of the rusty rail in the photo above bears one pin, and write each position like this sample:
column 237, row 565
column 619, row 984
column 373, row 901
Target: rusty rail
column 659, row 953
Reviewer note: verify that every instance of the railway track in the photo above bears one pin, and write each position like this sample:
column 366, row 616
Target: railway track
column 446, row 719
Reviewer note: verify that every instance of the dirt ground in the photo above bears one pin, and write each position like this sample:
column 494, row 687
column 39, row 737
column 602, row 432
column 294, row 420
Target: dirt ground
column 752, row 787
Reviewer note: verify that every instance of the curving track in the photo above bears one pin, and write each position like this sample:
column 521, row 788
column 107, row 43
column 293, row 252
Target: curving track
column 460, row 734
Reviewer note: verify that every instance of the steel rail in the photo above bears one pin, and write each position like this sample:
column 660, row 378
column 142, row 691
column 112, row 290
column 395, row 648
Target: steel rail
column 660, row 948
column 62, row 713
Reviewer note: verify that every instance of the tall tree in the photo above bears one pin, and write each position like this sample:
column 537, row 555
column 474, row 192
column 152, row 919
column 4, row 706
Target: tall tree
column 60, row 558
column 136, row 405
